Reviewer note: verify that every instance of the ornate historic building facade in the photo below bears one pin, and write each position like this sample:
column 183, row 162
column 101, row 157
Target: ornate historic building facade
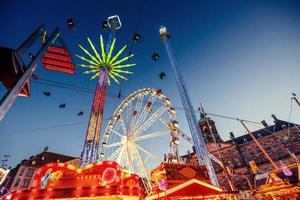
column 280, row 140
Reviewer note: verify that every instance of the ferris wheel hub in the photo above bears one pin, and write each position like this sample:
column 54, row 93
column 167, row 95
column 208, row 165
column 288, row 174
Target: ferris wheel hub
column 124, row 139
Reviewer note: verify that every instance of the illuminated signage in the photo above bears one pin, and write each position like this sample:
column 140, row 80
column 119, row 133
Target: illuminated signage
column 109, row 175
column 50, row 177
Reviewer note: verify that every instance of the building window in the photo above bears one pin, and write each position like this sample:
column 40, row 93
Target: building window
column 29, row 172
column 25, row 183
column 267, row 148
column 204, row 129
column 230, row 164
column 281, row 154
column 238, row 163
column 256, row 160
column 262, row 157
column 21, row 172
column 17, row 182
column 283, row 126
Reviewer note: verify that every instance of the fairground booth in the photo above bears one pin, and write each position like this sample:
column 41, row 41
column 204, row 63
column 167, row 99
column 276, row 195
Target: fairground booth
column 279, row 184
column 105, row 180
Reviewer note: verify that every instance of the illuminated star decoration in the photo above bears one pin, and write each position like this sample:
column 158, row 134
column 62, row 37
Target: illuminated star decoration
column 101, row 61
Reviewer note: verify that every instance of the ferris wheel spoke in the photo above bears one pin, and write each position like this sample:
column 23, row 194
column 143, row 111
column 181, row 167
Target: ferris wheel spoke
column 147, row 159
column 118, row 134
column 162, row 120
column 129, row 159
column 141, row 162
column 114, row 144
column 129, row 111
column 146, row 110
column 151, row 135
column 147, row 152
column 143, row 114
column 123, row 125
column 114, row 154
column 150, row 121
column 120, row 156
column 137, row 109
column 140, row 103
column 135, row 126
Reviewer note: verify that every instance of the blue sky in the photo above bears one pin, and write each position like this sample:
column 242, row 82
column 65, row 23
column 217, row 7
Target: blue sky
column 239, row 58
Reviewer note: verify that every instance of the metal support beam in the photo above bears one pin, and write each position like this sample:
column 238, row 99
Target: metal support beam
column 30, row 40
column 13, row 94
column 200, row 146
column 260, row 146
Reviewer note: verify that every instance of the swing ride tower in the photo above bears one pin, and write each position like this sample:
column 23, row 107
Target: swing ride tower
column 103, row 66
column 200, row 146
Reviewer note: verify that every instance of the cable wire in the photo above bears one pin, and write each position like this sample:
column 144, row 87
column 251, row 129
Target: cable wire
column 44, row 128
column 290, row 114
column 137, row 26
column 113, row 95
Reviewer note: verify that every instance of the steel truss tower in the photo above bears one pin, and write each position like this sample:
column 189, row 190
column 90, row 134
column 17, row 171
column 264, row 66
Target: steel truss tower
column 200, row 146
column 91, row 145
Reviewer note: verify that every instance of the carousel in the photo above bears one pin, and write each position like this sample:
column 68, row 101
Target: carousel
column 105, row 180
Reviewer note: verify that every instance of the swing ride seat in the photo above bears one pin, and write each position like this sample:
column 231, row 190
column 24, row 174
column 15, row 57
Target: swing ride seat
column 58, row 59
column 155, row 57
column 11, row 70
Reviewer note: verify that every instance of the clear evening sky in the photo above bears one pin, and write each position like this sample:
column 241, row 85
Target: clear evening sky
column 239, row 58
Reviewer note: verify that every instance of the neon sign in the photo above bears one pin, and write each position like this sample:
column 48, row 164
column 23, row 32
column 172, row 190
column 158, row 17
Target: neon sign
column 109, row 175
column 50, row 177
column 95, row 180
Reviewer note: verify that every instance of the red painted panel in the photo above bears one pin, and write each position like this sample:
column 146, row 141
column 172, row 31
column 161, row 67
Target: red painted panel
column 58, row 59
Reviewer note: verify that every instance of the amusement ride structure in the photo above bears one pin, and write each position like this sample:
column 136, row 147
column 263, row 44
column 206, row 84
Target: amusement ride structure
column 103, row 66
column 146, row 117
column 15, row 74
column 120, row 163
column 199, row 144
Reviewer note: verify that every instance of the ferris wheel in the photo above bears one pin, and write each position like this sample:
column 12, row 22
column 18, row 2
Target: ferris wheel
column 142, row 127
